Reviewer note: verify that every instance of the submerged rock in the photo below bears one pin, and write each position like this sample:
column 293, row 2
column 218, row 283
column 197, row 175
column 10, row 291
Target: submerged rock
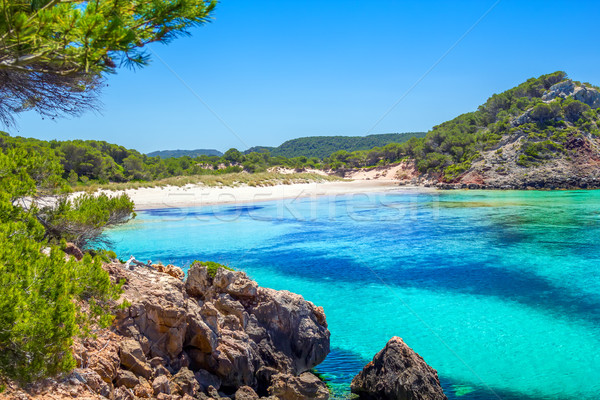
column 397, row 373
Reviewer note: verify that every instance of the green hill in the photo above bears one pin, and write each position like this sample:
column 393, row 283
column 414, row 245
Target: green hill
column 182, row 153
column 324, row 146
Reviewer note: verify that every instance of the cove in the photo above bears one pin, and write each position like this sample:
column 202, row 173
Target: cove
column 499, row 291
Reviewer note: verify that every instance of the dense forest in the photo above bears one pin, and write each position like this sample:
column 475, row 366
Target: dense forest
column 309, row 147
column 324, row 146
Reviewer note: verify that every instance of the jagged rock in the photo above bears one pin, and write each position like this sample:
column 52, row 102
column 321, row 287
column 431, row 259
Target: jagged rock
column 226, row 326
column 186, row 381
column 123, row 394
column 305, row 386
column 568, row 88
column 144, row 389
column 246, row 393
column 206, row 379
column 170, row 269
column 127, row 379
column 397, row 373
column 95, row 382
column 133, row 358
column 161, row 385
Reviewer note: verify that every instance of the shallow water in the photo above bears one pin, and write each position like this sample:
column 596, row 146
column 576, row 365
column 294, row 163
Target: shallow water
column 498, row 291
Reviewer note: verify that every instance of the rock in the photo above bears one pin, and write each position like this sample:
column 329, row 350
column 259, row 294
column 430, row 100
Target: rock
column 295, row 327
column 95, row 382
column 133, row 358
column 246, row 393
column 144, row 389
column 161, row 385
column 206, row 379
column 227, row 328
column 127, row 379
column 170, row 269
column 123, row 394
column 186, row 381
column 397, row 373
column 305, row 386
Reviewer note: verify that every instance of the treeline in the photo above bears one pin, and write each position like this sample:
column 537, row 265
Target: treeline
column 324, row 146
column 86, row 161
column 451, row 147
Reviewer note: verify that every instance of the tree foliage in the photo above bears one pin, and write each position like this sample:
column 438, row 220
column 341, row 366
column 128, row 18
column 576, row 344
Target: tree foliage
column 54, row 52
column 39, row 288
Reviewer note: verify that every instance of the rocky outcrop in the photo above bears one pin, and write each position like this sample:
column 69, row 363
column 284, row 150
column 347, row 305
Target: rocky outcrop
column 568, row 88
column 397, row 373
column 210, row 337
column 212, row 334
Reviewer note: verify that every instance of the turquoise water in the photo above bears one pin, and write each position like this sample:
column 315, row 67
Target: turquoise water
column 498, row 291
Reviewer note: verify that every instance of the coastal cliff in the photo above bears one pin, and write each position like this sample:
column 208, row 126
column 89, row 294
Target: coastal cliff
column 217, row 334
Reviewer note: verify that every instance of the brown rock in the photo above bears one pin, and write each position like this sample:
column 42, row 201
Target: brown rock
column 170, row 269
column 186, row 381
column 246, row 393
column 127, row 379
column 161, row 385
column 397, row 373
column 133, row 358
column 305, row 386
column 206, row 379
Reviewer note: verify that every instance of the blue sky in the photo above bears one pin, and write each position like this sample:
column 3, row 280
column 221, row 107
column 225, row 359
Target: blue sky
column 265, row 72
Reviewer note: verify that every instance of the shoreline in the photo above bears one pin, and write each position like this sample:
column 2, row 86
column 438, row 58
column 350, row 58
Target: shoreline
column 198, row 195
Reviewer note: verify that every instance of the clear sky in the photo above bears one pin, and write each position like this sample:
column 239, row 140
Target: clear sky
column 267, row 71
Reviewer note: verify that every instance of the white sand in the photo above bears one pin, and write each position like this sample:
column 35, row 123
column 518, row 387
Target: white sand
column 196, row 195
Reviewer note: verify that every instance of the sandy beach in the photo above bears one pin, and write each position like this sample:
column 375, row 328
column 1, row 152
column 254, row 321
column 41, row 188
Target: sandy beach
column 198, row 195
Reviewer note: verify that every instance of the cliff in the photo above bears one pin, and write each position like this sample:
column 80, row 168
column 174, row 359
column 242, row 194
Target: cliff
column 214, row 335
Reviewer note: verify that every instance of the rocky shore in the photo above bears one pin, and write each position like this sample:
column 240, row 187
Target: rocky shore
column 209, row 337
column 217, row 335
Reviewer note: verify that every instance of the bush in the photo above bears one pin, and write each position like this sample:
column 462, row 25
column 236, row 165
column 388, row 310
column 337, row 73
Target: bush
column 212, row 267
column 39, row 289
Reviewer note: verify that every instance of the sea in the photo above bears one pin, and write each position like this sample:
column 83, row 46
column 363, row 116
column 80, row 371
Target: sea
column 499, row 291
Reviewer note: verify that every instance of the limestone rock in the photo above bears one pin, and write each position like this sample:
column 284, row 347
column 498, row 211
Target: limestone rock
column 305, row 386
column 397, row 373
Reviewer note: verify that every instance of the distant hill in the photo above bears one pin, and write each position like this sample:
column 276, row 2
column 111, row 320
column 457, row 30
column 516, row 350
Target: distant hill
column 259, row 149
column 182, row 153
column 324, row 146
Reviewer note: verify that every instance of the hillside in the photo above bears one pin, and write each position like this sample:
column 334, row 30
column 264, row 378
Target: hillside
column 324, row 146
column 543, row 133
column 187, row 153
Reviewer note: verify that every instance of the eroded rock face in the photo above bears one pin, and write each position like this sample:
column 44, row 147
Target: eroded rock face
column 225, row 329
column 397, row 373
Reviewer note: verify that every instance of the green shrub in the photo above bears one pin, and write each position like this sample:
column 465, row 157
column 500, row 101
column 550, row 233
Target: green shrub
column 40, row 290
column 212, row 267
